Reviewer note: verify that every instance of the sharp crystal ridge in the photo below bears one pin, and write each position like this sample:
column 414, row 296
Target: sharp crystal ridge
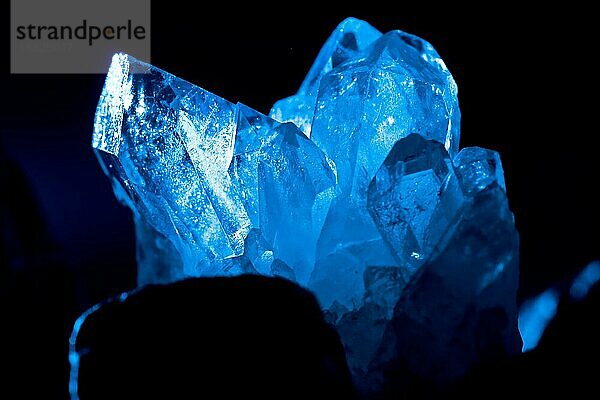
column 348, row 39
column 199, row 172
column 399, row 85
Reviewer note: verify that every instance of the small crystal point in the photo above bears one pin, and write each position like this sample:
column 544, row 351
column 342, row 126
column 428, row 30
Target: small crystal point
column 478, row 168
column 287, row 184
column 348, row 39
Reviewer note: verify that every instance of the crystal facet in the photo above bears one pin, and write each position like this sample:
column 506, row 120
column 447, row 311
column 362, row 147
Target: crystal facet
column 286, row 184
column 477, row 168
column 348, row 39
column 460, row 307
column 398, row 86
column 405, row 193
column 200, row 172
column 167, row 145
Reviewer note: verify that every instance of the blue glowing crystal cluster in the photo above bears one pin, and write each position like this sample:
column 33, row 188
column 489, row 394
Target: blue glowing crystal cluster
column 354, row 187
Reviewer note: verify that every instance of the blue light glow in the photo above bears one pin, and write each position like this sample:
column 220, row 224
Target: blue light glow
column 585, row 280
column 352, row 187
column 74, row 355
column 535, row 315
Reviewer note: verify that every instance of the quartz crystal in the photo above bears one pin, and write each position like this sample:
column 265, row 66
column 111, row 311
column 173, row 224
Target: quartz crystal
column 477, row 168
column 403, row 197
column 347, row 41
column 354, row 187
column 397, row 86
column 200, row 172
column 461, row 304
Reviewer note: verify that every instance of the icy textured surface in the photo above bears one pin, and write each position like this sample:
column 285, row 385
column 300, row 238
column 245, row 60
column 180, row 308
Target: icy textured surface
column 398, row 86
column 167, row 145
column 408, row 244
column 478, row 168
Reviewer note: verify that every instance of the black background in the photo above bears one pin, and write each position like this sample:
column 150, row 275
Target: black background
column 523, row 77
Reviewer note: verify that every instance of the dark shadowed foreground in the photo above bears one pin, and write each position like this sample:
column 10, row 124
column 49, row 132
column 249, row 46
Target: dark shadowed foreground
column 246, row 336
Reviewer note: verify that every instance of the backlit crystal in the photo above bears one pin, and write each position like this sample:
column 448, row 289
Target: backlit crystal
column 354, row 187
